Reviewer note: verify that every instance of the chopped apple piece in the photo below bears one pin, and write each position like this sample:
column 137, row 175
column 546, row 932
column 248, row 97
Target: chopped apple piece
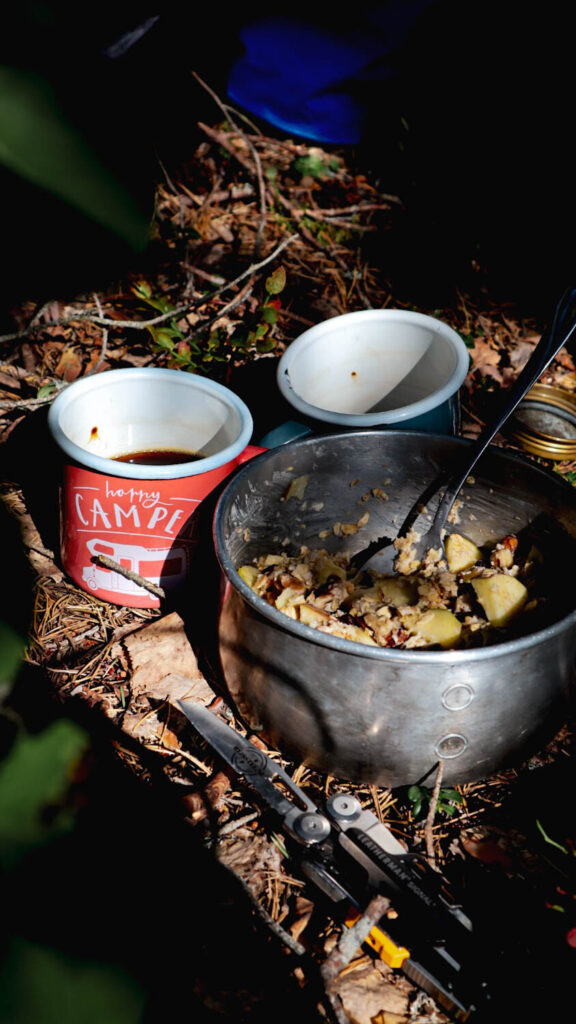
column 269, row 560
column 288, row 597
column 461, row 553
column 350, row 632
column 327, row 567
column 501, row 596
column 396, row 591
column 248, row 573
column 439, row 626
column 312, row 616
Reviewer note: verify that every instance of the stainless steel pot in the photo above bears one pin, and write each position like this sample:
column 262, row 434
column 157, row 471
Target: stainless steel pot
column 370, row 714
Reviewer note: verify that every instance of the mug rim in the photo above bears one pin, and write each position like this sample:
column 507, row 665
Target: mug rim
column 373, row 419
column 132, row 471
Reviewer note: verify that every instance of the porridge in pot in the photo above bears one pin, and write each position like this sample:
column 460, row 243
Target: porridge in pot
column 479, row 596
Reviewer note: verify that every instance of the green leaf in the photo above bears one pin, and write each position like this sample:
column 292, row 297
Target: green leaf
column 11, row 652
column 45, row 391
column 446, row 804
column 38, row 143
column 43, row 985
column 142, row 290
column 312, row 165
column 416, row 795
column 33, row 778
column 267, row 345
column 451, row 796
column 547, row 838
column 270, row 315
column 163, row 337
column 276, row 282
column 569, row 476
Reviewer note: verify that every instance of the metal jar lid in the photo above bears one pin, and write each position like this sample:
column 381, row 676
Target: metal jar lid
column 545, row 423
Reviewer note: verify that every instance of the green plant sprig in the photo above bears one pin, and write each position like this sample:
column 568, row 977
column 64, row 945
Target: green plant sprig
column 447, row 804
column 254, row 334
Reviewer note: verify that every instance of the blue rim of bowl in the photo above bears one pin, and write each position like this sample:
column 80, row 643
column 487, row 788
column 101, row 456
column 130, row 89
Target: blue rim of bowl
column 396, row 418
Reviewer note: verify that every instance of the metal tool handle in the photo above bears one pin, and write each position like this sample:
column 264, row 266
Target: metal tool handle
column 555, row 338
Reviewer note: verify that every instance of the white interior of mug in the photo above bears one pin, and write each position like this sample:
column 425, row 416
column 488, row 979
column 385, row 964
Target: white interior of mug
column 121, row 412
column 373, row 366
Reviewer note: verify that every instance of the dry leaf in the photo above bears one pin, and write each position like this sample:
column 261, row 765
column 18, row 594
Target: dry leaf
column 366, row 995
column 146, row 728
column 520, row 354
column 163, row 664
column 211, row 795
column 69, row 365
column 487, row 850
column 170, row 739
column 565, row 359
column 486, row 359
column 384, row 1017
column 304, row 909
column 567, row 381
column 253, row 858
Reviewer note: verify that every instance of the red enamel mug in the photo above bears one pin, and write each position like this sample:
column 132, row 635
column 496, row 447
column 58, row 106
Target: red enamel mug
column 142, row 448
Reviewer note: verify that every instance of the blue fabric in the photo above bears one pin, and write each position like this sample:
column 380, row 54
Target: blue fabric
column 313, row 81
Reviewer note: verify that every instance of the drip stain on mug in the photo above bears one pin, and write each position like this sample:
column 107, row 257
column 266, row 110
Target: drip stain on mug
column 159, row 457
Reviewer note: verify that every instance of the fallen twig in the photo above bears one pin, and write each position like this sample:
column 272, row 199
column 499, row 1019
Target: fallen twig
column 350, row 941
column 104, row 346
column 429, row 826
column 109, row 563
column 88, row 315
column 227, row 111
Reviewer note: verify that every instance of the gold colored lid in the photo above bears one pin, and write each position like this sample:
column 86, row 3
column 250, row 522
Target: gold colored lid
column 545, row 423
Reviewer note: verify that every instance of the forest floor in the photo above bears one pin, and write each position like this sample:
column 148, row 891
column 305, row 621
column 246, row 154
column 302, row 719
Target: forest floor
column 255, row 238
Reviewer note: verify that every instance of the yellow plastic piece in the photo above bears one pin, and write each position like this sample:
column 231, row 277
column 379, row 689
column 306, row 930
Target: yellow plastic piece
column 381, row 943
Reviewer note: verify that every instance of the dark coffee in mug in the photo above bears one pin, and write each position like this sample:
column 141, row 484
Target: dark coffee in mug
column 159, row 457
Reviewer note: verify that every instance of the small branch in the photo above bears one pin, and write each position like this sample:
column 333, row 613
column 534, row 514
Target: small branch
column 236, row 301
column 104, row 347
column 337, row 222
column 429, row 826
column 350, row 940
column 297, row 215
column 109, row 563
column 231, row 826
column 255, row 267
column 285, row 937
column 141, row 325
column 216, row 279
column 359, row 207
column 26, row 404
column 226, row 110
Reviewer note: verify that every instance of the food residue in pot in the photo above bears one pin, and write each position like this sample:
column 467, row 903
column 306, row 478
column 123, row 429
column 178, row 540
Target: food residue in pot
column 482, row 596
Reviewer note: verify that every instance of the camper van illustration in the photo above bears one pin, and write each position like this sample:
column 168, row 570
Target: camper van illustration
column 166, row 567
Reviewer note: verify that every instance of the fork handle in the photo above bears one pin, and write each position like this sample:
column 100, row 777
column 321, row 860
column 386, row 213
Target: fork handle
column 555, row 338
